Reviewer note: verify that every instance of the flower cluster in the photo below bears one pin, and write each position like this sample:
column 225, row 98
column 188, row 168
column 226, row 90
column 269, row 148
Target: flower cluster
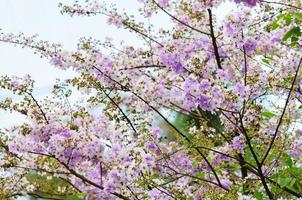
column 205, row 110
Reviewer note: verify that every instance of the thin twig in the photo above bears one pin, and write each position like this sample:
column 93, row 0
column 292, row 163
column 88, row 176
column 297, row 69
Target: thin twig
column 280, row 3
column 215, row 47
column 178, row 20
column 283, row 113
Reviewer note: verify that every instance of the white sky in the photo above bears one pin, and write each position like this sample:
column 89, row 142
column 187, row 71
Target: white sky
column 44, row 17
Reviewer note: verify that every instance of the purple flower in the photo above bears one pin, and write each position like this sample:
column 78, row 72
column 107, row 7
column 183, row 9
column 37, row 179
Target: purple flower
column 163, row 3
column 204, row 102
column 197, row 7
column 250, row 3
column 148, row 159
column 226, row 183
column 264, row 169
column 178, row 67
column 239, row 89
column 189, row 102
column 299, row 133
column 296, row 148
column 293, row 153
column 229, row 29
column 276, row 39
column 13, row 147
column 250, row 46
column 109, row 186
column 151, row 146
column 56, row 61
column 114, row 20
column 204, row 85
column 238, row 144
column 154, row 193
column 156, row 132
column 172, row 60
column 114, row 175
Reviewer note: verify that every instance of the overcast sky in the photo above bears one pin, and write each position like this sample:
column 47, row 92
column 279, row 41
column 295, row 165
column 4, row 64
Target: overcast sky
column 44, row 17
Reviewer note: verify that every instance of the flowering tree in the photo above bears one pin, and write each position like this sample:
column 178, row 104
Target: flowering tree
column 234, row 86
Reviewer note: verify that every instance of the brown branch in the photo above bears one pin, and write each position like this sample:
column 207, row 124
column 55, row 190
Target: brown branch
column 143, row 67
column 192, row 176
column 283, row 113
column 215, row 47
column 39, row 106
column 280, row 3
column 121, row 110
column 288, row 190
column 41, row 170
column 83, row 178
column 245, row 62
column 132, row 192
column 259, row 166
column 70, row 183
column 227, row 155
column 166, row 120
column 178, row 20
column 141, row 33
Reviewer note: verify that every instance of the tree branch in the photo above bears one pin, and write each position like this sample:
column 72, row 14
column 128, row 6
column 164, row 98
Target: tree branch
column 178, row 20
column 215, row 47
column 283, row 112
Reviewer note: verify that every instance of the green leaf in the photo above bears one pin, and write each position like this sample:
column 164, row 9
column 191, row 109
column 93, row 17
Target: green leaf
column 267, row 114
column 285, row 19
column 266, row 61
column 75, row 197
column 291, row 32
column 214, row 120
column 195, row 164
column 296, row 172
column 200, row 175
column 292, row 36
column 297, row 16
column 285, row 181
column 258, row 196
column 78, row 196
column 293, row 182
column 155, row 176
column 289, row 161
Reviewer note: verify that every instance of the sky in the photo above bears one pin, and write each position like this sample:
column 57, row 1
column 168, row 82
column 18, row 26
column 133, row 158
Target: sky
column 44, row 17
